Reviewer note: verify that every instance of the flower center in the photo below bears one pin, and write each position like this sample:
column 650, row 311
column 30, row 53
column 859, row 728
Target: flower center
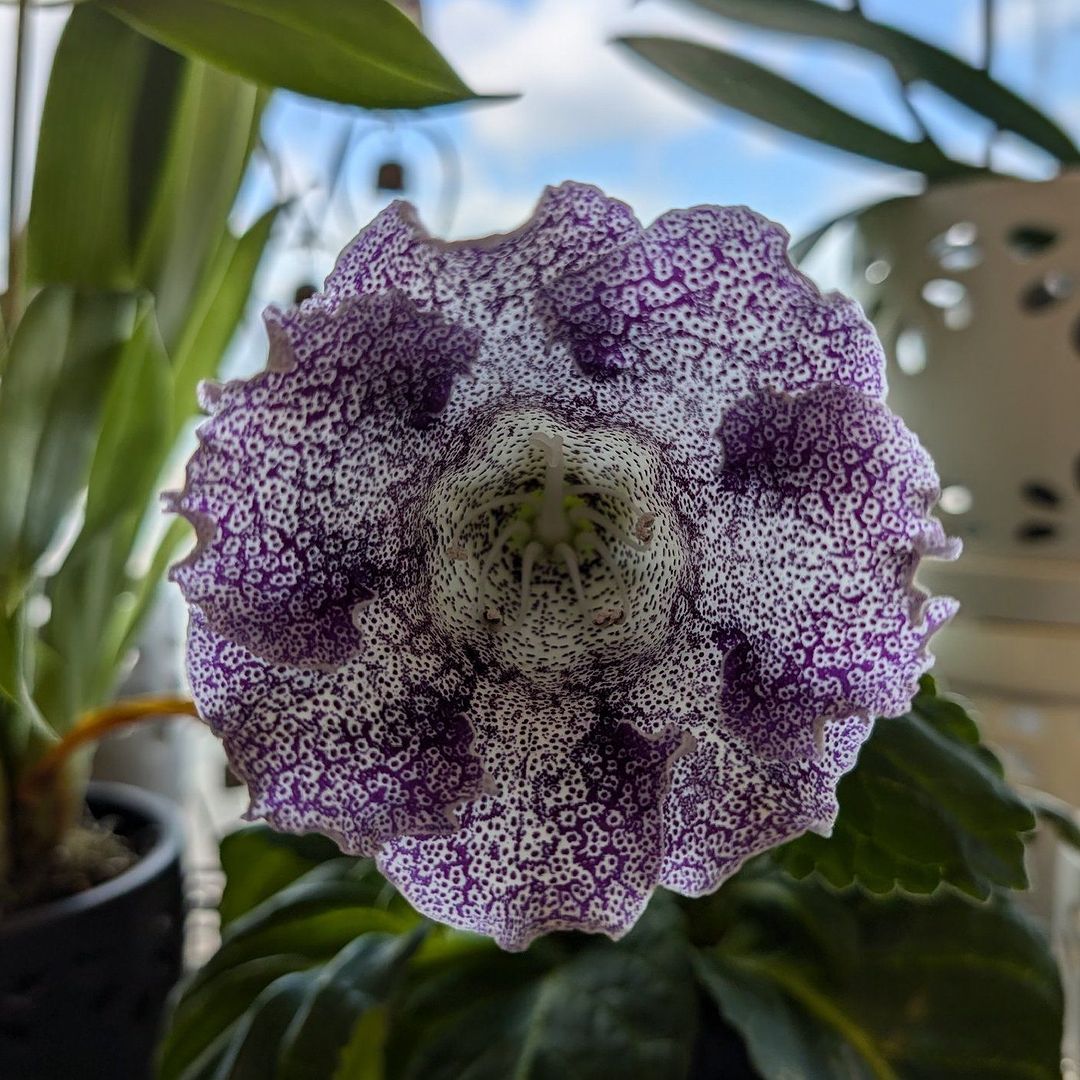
column 553, row 549
column 555, row 524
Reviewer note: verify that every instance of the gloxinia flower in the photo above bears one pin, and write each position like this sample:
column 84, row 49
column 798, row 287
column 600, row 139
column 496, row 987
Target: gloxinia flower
column 556, row 566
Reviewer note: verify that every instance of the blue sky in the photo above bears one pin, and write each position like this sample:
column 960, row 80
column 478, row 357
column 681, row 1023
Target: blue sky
column 589, row 111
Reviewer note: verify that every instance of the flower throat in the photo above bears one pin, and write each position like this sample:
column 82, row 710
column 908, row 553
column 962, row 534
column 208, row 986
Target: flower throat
column 556, row 524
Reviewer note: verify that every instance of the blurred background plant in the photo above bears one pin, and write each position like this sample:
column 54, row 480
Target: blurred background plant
column 125, row 286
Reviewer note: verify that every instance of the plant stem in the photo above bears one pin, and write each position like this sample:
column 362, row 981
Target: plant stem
column 91, row 727
column 12, row 298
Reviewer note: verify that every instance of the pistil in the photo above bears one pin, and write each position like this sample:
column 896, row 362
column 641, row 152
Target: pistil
column 554, row 524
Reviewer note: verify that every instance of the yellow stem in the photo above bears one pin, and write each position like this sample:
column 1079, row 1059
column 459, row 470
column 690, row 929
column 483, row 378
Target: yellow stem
column 91, row 727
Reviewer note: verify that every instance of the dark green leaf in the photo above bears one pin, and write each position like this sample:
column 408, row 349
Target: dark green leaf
column 259, row 862
column 57, row 370
column 359, row 52
column 932, row 990
column 1058, row 815
column 573, row 1007
column 202, row 1019
column 925, row 804
column 215, row 313
column 913, row 59
column 109, row 96
column 756, row 91
column 212, row 127
column 357, row 980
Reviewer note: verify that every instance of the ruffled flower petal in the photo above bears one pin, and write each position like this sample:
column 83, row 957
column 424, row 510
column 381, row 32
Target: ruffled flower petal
column 571, row 840
column 559, row 565
column 711, row 829
column 378, row 749
column 708, row 297
column 818, row 526
column 293, row 491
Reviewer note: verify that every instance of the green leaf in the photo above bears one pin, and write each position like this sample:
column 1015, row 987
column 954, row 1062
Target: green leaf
column 108, row 97
column 318, row 945
column 358, row 52
column 259, row 862
column 925, row 804
column 913, row 59
column 1058, row 815
column 569, row 1007
column 216, row 312
column 134, row 428
column 756, row 91
column 57, row 371
column 211, row 129
column 933, row 990
column 355, row 982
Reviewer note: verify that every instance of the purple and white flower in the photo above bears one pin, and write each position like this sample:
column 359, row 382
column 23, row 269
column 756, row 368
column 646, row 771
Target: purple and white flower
column 556, row 566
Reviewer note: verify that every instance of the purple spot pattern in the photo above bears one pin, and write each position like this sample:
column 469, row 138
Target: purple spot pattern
column 501, row 794
column 371, row 751
column 290, row 491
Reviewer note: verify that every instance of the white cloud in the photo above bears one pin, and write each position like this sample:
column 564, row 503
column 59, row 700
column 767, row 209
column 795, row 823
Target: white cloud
column 577, row 88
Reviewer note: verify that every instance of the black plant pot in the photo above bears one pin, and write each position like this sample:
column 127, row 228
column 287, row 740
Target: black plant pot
column 83, row 980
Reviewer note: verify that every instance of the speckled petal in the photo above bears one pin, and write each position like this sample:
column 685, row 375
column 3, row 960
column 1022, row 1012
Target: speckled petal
column 374, row 750
column 817, row 530
column 301, row 487
column 486, row 282
column 727, row 804
column 571, row 841
column 708, row 299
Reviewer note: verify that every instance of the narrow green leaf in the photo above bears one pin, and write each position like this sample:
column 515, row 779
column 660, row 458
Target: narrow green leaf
column 926, row 803
column 943, row 989
column 259, row 862
column 134, row 427
column 216, row 312
column 358, row 52
column 58, row 369
column 913, row 58
column 211, row 130
column 756, row 91
column 108, row 95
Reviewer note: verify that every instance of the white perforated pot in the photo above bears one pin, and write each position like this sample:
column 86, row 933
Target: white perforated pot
column 975, row 290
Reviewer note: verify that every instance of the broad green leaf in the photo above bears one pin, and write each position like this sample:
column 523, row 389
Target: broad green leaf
column 253, row 1049
column 914, row 60
column 315, row 916
column 941, row 989
column 259, row 862
column 358, row 52
column 212, row 128
column 204, row 1018
column 925, row 804
column 358, row 980
column 58, row 369
column 582, row 1008
column 362, row 1056
column 756, row 91
column 109, row 94
column 134, row 428
column 216, row 312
